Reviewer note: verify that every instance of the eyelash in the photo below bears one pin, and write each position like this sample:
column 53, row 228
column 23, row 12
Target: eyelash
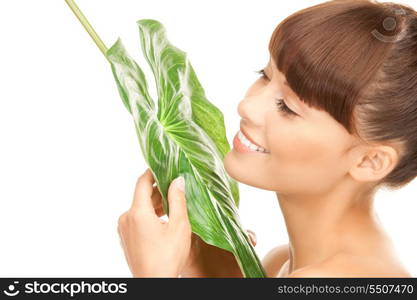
column 283, row 107
column 262, row 72
column 279, row 101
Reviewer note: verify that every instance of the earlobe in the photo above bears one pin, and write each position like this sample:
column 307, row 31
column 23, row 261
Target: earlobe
column 374, row 163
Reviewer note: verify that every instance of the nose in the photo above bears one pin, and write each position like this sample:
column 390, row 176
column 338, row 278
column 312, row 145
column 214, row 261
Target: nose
column 253, row 109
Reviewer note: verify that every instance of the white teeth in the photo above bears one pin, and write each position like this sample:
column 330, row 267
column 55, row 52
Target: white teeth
column 248, row 144
column 253, row 147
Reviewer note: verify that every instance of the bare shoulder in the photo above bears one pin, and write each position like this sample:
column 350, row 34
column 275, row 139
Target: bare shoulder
column 348, row 265
column 275, row 259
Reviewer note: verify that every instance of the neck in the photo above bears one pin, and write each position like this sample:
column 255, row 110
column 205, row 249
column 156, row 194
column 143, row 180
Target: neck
column 320, row 226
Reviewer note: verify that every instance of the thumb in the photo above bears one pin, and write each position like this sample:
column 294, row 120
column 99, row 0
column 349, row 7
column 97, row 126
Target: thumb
column 177, row 202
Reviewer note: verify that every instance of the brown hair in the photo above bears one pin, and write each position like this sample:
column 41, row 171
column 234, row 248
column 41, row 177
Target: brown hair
column 357, row 60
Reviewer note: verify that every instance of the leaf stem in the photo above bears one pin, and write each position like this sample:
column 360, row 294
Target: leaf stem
column 83, row 20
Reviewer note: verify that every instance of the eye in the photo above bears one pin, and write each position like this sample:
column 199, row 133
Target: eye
column 279, row 101
column 262, row 72
column 283, row 107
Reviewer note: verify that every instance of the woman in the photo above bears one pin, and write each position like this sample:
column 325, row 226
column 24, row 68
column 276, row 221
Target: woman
column 335, row 114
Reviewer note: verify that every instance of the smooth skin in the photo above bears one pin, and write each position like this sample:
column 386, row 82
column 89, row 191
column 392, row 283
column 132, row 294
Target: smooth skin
column 324, row 179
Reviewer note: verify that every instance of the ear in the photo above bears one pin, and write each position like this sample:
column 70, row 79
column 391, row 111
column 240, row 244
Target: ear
column 374, row 163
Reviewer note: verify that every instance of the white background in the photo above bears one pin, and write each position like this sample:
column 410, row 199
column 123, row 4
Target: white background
column 69, row 156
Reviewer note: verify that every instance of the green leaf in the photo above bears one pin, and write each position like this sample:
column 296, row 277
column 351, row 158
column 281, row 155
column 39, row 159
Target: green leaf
column 184, row 135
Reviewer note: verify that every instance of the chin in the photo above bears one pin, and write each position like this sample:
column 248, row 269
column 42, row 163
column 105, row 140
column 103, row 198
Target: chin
column 230, row 165
column 226, row 163
column 239, row 172
column 234, row 167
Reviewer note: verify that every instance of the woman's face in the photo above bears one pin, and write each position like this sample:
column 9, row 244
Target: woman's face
column 308, row 152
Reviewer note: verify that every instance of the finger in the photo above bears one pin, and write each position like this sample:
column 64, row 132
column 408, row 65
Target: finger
column 157, row 202
column 156, row 196
column 177, row 202
column 159, row 211
column 252, row 237
column 142, row 199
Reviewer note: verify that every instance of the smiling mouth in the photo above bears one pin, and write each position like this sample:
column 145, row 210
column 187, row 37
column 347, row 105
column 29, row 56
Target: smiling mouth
column 248, row 143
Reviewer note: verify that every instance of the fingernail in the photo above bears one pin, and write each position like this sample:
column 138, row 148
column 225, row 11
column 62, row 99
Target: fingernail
column 179, row 181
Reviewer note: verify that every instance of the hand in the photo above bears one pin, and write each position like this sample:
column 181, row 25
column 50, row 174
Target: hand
column 209, row 261
column 153, row 247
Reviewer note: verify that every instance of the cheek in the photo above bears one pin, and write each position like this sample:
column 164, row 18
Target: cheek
column 305, row 160
column 304, row 147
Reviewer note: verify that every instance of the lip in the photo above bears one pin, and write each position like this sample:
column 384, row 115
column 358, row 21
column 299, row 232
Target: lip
column 239, row 147
column 250, row 139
